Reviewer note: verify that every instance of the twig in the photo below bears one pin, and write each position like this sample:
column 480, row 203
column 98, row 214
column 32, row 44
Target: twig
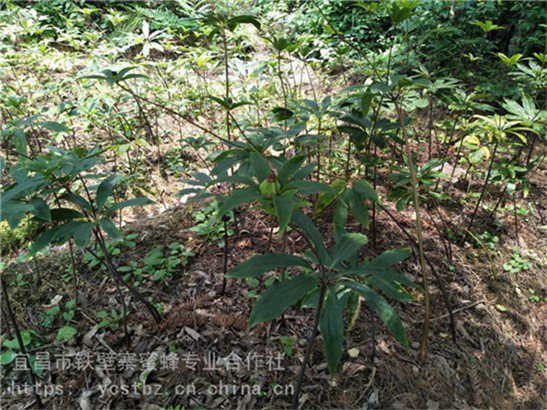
column 461, row 309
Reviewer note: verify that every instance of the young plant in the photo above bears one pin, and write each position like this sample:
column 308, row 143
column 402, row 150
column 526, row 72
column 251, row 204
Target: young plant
column 221, row 22
column 54, row 179
column 498, row 130
column 327, row 281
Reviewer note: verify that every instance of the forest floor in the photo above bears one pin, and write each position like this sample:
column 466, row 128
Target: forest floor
column 497, row 361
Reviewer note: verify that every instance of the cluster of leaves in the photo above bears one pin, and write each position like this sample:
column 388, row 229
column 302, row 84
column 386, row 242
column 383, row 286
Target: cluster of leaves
column 54, row 179
column 156, row 265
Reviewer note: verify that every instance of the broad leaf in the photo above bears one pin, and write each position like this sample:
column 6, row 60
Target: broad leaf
column 308, row 187
column 260, row 165
column 366, row 190
column 65, row 333
column 65, row 214
column 109, row 227
column 260, row 264
column 279, row 297
column 357, row 206
column 140, row 201
column 238, row 197
column 77, row 200
column 58, row 234
column 383, row 309
column 284, row 206
column 332, row 329
column 311, row 232
column 243, row 19
column 40, row 208
column 289, row 168
column 105, row 190
column 348, row 245
column 82, row 234
column 391, row 257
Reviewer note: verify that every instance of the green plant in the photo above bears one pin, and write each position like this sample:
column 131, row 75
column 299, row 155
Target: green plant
column 57, row 176
column 207, row 224
column 156, row 265
column 426, row 176
column 287, row 343
column 516, row 264
column 109, row 319
column 327, row 281
column 534, row 297
column 498, row 129
column 490, row 240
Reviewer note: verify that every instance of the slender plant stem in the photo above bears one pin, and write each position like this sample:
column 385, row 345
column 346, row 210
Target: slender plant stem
column 442, row 288
column 226, row 84
column 487, row 179
column 421, row 257
column 515, row 213
column 74, row 273
column 225, row 258
column 22, row 348
column 118, row 278
column 124, row 312
column 309, row 348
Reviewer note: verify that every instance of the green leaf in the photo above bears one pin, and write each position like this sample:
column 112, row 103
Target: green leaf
column 243, row 19
column 82, row 234
column 383, row 309
column 366, row 190
column 311, row 232
column 282, row 114
column 366, row 100
column 421, row 102
column 7, row 357
column 348, row 245
column 389, row 282
column 340, row 215
column 391, row 257
column 29, row 185
column 303, row 172
column 54, row 126
column 140, row 201
column 284, row 206
column 509, row 60
column 77, row 200
column 225, row 104
column 65, row 333
column 332, row 329
column 65, row 214
column 58, row 234
column 41, row 209
column 237, row 198
column 477, row 156
column 105, row 190
column 14, row 212
column 326, row 198
column 20, row 142
column 109, row 227
column 279, row 297
column 357, row 206
column 308, row 187
column 289, row 168
column 379, row 140
column 261, row 167
column 260, row 264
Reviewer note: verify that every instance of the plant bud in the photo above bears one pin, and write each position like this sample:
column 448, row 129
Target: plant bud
column 270, row 187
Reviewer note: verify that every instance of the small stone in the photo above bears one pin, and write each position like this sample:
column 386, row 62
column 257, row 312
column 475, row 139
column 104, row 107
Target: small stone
column 353, row 353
